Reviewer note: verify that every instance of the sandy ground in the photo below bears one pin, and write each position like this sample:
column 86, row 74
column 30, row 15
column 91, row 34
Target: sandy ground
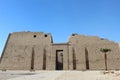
column 60, row 75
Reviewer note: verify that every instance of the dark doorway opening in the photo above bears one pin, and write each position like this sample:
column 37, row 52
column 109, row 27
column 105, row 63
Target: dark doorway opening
column 59, row 59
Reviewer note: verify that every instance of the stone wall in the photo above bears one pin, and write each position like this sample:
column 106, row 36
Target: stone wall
column 92, row 45
column 22, row 47
column 36, row 51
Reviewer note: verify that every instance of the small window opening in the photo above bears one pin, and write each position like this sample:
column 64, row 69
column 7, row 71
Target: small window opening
column 34, row 36
column 46, row 35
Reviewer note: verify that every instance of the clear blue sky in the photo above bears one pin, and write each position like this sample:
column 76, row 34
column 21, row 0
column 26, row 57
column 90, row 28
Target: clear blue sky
column 61, row 18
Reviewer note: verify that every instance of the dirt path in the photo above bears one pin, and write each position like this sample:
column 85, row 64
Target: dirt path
column 60, row 75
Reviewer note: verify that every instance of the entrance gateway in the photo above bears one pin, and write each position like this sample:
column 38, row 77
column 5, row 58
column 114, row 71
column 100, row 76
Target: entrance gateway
column 37, row 51
column 59, row 59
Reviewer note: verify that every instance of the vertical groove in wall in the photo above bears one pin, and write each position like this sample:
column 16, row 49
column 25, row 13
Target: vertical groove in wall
column 5, row 47
column 32, row 59
column 44, row 60
column 119, row 46
column 68, row 55
column 74, row 60
column 56, row 60
column 87, row 59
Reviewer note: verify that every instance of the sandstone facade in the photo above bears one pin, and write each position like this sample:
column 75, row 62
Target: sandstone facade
column 36, row 51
